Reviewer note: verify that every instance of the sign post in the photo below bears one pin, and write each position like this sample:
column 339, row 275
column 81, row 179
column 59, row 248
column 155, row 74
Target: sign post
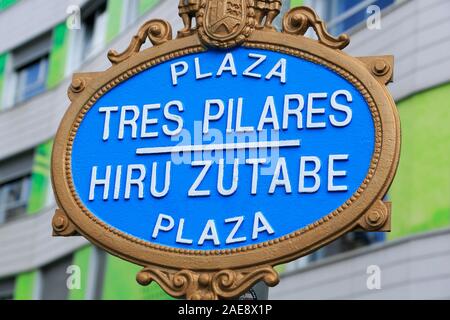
column 211, row 158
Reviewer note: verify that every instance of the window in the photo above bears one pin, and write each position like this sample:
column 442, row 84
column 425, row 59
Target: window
column 14, row 199
column 31, row 79
column 94, row 29
column 350, row 241
column 29, row 70
column 90, row 38
column 342, row 15
column 54, row 279
column 15, row 181
column 7, row 289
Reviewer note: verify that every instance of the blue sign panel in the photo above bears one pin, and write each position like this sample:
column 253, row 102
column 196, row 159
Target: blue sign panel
column 223, row 149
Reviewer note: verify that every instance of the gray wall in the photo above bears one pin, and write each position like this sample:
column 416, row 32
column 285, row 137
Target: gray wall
column 413, row 268
column 37, row 120
column 28, row 19
column 27, row 244
column 417, row 33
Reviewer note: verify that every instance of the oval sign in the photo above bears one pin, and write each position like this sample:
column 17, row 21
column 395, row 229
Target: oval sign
column 257, row 154
column 185, row 154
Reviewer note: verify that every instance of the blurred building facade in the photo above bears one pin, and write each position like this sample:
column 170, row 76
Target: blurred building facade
column 38, row 54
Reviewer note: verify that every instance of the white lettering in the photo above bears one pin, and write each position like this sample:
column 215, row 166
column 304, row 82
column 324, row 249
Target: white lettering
column 265, row 226
column 265, row 119
column 280, row 170
column 159, row 225
column 147, row 122
column 340, row 107
column 228, row 65
column 238, row 222
column 255, row 172
column 313, row 174
column 209, row 234
column 193, row 191
column 239, row 127
column 180, row 234
column 208, row 117
column 315, row 111
column 198, row 71
column 130, row 181
column 128, row 122
column 107, row 111
column 173, row 117
column 279, row 70
column 234, row 185
column 165, row 190
column 332, row 173
column 249, row 71
column 176, row 74
column 96, row 182
column 293, row 112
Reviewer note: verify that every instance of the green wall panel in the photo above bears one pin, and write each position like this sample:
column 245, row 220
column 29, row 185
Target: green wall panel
column 146, row 5
column 81, row 259
column 420, row 193
column 120, row 283
column 3, row 62
column 5, row 4
column 114, row 9
column 296, row 3
column 25, row 285
column 58, row 55
column 40, row 178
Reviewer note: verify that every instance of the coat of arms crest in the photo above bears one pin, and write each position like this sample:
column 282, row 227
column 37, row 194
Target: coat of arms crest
column 225, row 23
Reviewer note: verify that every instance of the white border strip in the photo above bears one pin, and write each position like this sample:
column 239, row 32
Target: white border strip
column 218, row 147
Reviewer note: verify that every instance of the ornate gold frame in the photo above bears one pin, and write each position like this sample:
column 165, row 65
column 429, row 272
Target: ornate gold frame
column 227, row 273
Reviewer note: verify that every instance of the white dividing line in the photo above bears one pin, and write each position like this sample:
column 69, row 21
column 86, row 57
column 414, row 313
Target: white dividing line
column 218, row 147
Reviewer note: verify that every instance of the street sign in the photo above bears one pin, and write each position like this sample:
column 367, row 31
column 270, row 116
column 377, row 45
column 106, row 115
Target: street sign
column 213, row 157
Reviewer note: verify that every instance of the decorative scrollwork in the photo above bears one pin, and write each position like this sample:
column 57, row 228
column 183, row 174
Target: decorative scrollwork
column 157, row 31
column 225, row 284
column 298, row 20
column 176, row 284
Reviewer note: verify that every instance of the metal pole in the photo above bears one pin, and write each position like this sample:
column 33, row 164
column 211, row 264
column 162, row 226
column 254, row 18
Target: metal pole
column 259, row 292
